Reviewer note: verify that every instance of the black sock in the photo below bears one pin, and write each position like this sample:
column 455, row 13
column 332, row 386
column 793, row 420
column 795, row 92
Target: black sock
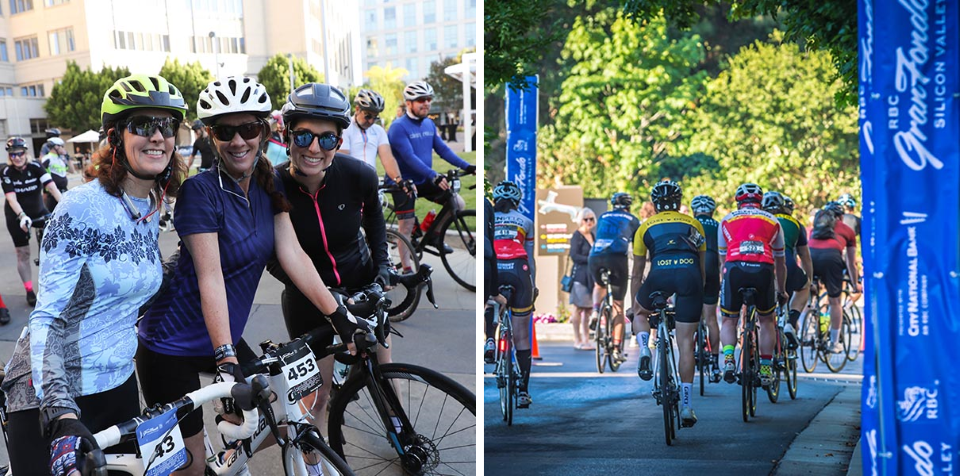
column 524, row 359
column 489, row 328
column 794, row 319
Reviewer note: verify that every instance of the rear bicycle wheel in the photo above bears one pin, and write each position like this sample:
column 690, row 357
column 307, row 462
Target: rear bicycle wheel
column 666, row 390
column 403, row 301
column 852, row 335
column 810, row 341
column 701, row 354
column 773, row 391
column 508, row 381
column 602, row 337
column 746, row 375
column 791, row 373
column 441, row 411
column 613, row 363
column 329, row 461
column 836, row 361
column 462, row 263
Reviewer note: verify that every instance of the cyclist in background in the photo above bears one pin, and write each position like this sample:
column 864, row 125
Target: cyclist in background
column 676, row 245
column 22, row 181
column 276, row 149
column 750, row 242
column 830, row 238
column 703, row 207
column 365, row 139
column 491, row 281
column 513, row 242
column 201, row 146
column 72, row 369
column 50, row 133
column 57, row 164
column 849, row 217
column 798, row 277
column 615, row 230
column 413, row 140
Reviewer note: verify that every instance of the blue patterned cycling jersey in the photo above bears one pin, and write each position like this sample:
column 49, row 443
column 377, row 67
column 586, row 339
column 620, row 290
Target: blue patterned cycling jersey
column 615, row 230
column 97, row 267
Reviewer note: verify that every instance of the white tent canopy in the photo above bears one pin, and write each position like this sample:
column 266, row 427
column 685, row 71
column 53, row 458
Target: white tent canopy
column 466, row 73
column 89, row 136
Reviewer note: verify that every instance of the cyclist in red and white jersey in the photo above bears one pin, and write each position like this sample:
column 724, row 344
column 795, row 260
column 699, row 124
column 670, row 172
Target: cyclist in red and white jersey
column 751, row 256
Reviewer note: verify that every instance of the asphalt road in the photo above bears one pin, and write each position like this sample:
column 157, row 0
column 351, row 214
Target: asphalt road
column 584, row 423
column 442, row 340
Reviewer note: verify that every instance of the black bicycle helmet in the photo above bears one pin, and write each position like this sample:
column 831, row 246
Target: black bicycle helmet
column 317, row 101
column 834, row 207
column 369, row 101
column 788, row 204
column 16, row 143
column 666, row 195
column 52, row 132
column 773, row 202
column 703, row 204
column 621, row 200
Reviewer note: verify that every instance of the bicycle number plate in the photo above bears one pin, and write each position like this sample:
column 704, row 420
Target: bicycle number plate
column 751, row 248
column 161, row 436
column 456, row 186
column 300, row 370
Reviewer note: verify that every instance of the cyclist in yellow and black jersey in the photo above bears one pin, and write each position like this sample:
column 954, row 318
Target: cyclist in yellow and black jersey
column 676, row 245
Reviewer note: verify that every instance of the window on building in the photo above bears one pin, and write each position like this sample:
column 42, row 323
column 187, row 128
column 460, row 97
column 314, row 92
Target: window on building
column 430, row 11
column 471, row 9
column 389, row 18
column 53, row 3
column 370, row 20
column 471, row 31
column 20, row 6
column 32, row 90
column 413, row 66
column 430, row 39
column 410, row 42
column 410, row 15
column 3, row 52
column 61, row 41
column 38, row 126
column 450, row 10
column 450, row 36
column 372, row 47
column 26, row 48
column 390, row 43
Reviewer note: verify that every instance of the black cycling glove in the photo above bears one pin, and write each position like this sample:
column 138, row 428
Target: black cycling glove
column 386, row 276
column 471, row 169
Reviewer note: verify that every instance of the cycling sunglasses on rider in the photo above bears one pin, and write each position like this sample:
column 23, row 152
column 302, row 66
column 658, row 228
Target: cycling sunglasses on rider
column 368, row 116
column 327, row 140
column 247, row 131
column 147, row 126
column 19, row 153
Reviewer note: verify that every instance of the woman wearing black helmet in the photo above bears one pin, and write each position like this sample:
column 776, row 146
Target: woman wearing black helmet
column 237, row 220
column 74, row 369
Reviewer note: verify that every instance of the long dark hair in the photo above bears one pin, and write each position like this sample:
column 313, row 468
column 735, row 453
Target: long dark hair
column 111, row 171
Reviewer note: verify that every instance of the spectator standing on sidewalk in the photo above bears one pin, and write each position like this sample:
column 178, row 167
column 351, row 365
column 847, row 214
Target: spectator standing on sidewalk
column 581, row 296
column 201, row 146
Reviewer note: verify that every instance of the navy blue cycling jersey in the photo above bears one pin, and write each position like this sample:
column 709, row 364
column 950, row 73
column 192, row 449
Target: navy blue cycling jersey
column 710, row 227
column 615, row 230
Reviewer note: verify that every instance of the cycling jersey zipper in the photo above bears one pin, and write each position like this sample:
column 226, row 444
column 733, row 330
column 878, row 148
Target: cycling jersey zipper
column 323, row 233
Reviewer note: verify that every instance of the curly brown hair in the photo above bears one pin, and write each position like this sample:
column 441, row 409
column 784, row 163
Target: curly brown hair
column 111, row 172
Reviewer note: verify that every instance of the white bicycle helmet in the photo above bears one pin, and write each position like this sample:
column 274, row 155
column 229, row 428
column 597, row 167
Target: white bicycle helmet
column 703, row 204
column 369, row 100
column 417, row 90
column 507, row 190
column 750, row 193
column 773, row 202
column 230, row 95
column 55, row 141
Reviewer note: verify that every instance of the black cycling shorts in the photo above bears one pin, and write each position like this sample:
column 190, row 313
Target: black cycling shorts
column 20, row 237
column 404, row 205
column 711, row 290
column 739, row 274
column 796, row 277
column 828, row 265
column 166, row 378
column 29, row 452
column 301, row 316
column 617, row 265
column 516, row 273
column 684, row 281
column 489, row 284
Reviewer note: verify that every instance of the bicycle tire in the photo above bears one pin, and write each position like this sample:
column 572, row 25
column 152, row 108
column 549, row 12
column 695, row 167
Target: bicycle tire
column 791, row 373
column 773, row 390
column 810, row 341
column 358, row 435
column 508, row 390
column 601, row 338
column 331, row 462
column 666, row 397
column 836, row 362
column 754, row 371
column 745, row 378
column 403, row 301
column 701, row 355
column 461, row 265
column 611, row 362
column 854, row 336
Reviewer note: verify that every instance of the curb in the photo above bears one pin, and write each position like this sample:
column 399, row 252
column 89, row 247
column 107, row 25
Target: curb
column 828, row 445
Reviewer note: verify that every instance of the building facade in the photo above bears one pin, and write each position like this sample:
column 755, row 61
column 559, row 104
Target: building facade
column 227, row 37
column 412, row 34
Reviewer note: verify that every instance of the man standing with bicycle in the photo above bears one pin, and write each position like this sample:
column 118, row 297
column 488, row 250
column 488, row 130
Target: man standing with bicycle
column 615, row 231
column 751, row 256
column 413, row 139
column 676, row 245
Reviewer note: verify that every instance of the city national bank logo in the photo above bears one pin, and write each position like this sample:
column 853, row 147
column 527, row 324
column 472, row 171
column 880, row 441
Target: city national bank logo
column 918, row 402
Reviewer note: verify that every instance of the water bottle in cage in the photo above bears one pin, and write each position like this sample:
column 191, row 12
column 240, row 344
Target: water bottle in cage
column 428, row 220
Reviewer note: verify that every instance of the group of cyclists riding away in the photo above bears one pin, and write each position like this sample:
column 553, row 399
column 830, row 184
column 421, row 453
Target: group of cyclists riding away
column 704, row 265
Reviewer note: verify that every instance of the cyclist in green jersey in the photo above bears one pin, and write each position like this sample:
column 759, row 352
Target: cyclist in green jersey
column 795, row 244
column 703, row 207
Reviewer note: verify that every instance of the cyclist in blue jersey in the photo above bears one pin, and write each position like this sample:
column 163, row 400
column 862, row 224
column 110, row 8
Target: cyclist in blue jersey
column 703, row 207
column 413, row 140
column 615, row 231
column 72, row 368
column 237, row 220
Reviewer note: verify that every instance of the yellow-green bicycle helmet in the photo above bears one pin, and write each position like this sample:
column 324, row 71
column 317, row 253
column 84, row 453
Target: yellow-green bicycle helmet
column 137, row 91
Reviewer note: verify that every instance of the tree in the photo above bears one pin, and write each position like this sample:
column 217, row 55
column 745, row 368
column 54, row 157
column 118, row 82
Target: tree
column 275, row 76
column 628, row 88
column 448, row 91
column 74, row 102
column 830, row 26
column 513, row 39
column 191, row 79
column 389, row 83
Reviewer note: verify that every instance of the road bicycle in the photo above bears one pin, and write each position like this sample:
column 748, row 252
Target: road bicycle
column 749, row 365
column 604, row 332
column 450, row 227
column 666, row 377
column 815, row 333
column 854, row 338
column 703, row 354
column 506, row 368
column 397, row 417
column 405, row 295
column 784, row 362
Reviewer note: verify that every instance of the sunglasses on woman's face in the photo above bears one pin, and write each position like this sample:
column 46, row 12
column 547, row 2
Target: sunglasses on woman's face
column 590, row 219
column 327, row 140
column 17, row 154
column 370, row 117
column 247, row 131
column 147, row 126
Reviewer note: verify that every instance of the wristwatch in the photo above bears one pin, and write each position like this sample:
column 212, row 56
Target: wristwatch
column 48, row 415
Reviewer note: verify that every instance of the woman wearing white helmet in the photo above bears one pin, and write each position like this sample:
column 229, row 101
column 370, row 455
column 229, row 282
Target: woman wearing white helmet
column 236, row 218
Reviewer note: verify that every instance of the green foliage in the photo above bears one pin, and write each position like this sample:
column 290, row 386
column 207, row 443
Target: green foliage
column 275, row 76
column 448, row 91
column 190, row 78
column 389, row 83
column 513, row 38
column 770, row 118
column 74, row 102
column 627, row 90
column 830, row 26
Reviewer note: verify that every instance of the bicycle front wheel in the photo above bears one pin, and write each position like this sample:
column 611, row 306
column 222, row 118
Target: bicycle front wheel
column 462, row 263
column 329, row 461
column 403, row 301
column 441, row 411
column 836, row 361
column 773, row 391
column 854, row 332
column 810, row 341
column 791, row 373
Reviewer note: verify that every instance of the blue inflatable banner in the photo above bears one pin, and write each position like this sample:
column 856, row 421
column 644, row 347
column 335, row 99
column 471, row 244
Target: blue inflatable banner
column 522, row 142
column 910, row 166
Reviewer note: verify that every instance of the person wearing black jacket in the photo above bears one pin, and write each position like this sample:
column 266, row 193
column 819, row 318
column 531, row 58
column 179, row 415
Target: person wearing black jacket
column 583, row 283
column 490, row 278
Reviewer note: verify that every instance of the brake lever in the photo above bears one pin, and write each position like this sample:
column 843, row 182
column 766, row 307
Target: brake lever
column 267, row 411
column 95, row 463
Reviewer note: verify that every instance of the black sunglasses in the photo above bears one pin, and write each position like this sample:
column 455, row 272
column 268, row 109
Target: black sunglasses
column 327, row 140
column 147, row 126
column 247, row 131
column 17, row 154
column 370, row 117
